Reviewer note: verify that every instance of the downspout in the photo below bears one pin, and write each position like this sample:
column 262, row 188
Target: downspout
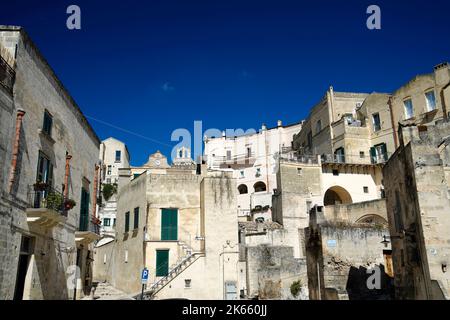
column 66, row 177
column 394, row 130
column 16, row 145
column 444, row 107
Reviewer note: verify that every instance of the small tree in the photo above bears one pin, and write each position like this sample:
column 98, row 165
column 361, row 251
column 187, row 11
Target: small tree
column 109, row 190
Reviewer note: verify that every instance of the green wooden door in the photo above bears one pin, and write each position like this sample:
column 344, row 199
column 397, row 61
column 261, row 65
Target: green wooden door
column 169, row 224
column 162, row 263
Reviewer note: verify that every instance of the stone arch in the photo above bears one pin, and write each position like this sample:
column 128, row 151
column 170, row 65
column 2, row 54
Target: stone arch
column 260, row 186
column 243, row 189
column 372, row 219
column 337, row 195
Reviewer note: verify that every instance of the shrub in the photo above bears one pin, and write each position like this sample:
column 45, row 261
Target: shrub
column 296, row 287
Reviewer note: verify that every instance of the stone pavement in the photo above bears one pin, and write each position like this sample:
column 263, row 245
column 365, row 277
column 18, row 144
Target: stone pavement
column 105, row 291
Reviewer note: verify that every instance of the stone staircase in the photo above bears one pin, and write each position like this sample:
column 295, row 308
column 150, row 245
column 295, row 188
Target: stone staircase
column 187, row 258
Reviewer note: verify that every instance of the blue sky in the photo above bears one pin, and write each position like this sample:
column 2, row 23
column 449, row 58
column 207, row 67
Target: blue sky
column 150, row 67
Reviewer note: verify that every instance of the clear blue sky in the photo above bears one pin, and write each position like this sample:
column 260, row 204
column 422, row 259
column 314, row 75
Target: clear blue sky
column 153, row 66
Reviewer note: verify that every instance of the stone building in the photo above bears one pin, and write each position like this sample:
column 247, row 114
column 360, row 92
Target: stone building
column 252, row 158
column 48, row 156
column 114, row 155
column 178, row 222
column 362, row 128
column 417, row 181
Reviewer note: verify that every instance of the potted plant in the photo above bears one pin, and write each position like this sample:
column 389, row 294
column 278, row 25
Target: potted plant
column 55, row 201
column 69, row 204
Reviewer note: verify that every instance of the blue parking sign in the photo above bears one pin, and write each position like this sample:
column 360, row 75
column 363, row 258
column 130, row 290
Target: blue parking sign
column 144, row 277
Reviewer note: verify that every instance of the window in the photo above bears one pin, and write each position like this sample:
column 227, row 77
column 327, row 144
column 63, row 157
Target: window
column 340, row 155
column 228, row 154
column 107, row 222
column 376, row 122
column 249, row 152
column 127, row 222
column 335, row 172
column 109, row 170
column 169, row 224
column 258, row 172
column 409, row 109
column 243, row 189
column 48, row 123
column 361, row 154
column 118, row 155
column 318, row 126
column 108, row 181
column 45, row 170
column 431, row 100
column 260, row 187
column 299, row 171
column 366, row 189
column 242, row 174
column 310, row 139
column 378, row 153
column 114, row 222
column 187, row 283
column 136, row 218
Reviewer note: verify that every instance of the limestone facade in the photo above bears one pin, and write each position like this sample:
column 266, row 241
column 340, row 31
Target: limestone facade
column 41, row 127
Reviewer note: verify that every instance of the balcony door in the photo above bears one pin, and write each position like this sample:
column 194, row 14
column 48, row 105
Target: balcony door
column 84, row 210
column 169, row 224
column 44, row 175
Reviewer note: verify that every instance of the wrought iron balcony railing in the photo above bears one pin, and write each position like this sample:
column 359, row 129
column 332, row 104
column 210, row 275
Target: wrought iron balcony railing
column 89, row 224
column 41, row 195
column 7, row 75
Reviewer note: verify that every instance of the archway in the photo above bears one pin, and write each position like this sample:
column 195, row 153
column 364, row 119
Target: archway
column 337, row 195
column 243, row 189
column 260, row 186
column 373, row 219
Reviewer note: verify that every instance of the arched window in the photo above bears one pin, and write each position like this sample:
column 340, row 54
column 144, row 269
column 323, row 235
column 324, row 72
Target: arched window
column 243, row 189
column 260, row 186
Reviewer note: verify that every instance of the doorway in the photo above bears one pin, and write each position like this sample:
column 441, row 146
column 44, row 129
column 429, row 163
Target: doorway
column 22, row 266
column 162, row 263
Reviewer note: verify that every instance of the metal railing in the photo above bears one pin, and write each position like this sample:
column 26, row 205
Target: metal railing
column 87, row 224
column 7, row 75
column 44, row 196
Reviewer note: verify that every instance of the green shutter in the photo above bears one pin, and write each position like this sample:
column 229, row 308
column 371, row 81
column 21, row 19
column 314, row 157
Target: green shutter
column 373, row 154
column 162, row 263
column 127, row 222
column 84, row 210
column 384, row 151
column 169, row 224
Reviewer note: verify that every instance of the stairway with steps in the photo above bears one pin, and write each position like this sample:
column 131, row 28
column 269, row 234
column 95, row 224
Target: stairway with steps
column 187, row 258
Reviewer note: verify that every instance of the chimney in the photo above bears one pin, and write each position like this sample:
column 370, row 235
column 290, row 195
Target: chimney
column 280, row 123
column 442, row 74
column 264, row 127
column 199, row 166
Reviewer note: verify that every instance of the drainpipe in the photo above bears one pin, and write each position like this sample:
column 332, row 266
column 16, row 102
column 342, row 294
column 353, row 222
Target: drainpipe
column 444, row 107
column 16, row 145
column 94, row 205
column 394, row 130
column 66, row 177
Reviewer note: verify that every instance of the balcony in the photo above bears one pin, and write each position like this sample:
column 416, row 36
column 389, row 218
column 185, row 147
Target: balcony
column 89, row 230
column 45, row 206
column 7, row 76
column 235, row 162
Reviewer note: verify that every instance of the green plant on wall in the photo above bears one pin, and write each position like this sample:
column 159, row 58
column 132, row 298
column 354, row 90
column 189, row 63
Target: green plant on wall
column 54, row 201
column 296, row 287
column 109, row 190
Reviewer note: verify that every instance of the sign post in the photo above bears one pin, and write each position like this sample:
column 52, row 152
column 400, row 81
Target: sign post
column 144, row 280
